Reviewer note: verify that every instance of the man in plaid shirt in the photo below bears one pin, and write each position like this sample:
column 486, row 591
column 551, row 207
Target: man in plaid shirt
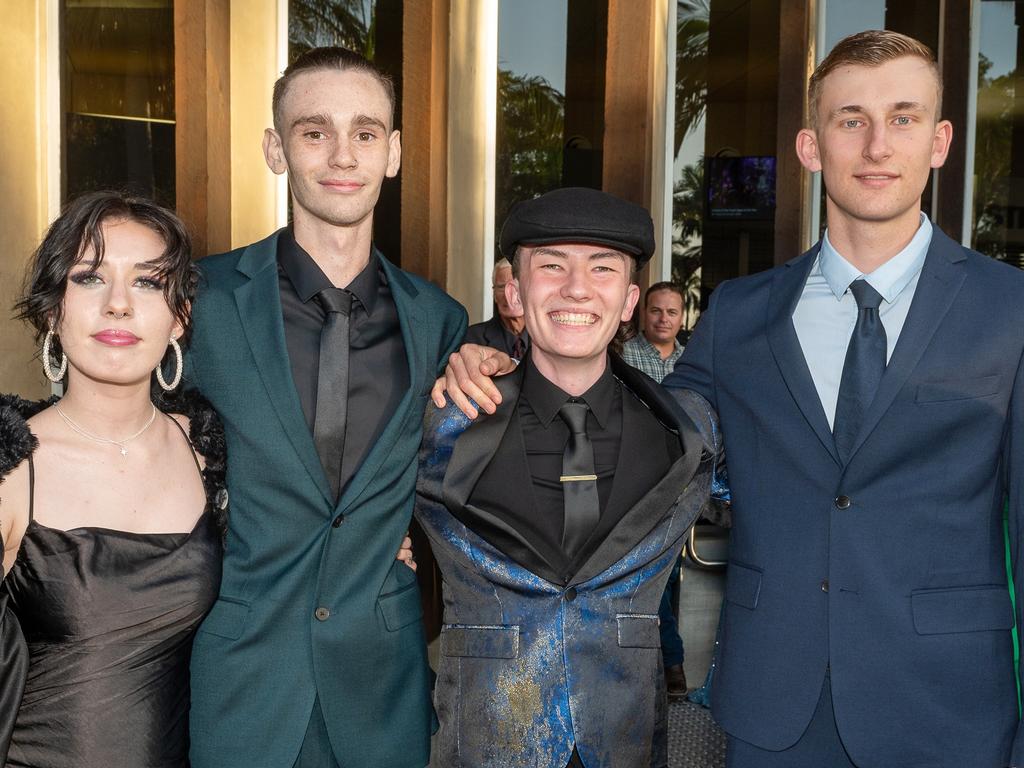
column 655, row 351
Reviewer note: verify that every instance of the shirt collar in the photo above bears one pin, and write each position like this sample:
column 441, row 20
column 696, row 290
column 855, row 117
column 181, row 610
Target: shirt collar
column 889, row 279
column 546, row 398
column 653, row 350
column 308, row 279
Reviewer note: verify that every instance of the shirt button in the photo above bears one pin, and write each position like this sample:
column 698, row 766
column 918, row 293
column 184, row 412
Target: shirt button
column 336, row 522
column 322, row 614
column 843, row 502
column 570, row 594
column 824, row 585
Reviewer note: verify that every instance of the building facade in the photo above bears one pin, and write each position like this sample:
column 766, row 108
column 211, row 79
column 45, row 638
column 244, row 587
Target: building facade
column 689, row 107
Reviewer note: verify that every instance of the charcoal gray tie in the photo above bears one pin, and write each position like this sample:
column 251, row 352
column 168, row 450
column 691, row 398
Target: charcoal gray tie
column 579, row 480
column 332, row 384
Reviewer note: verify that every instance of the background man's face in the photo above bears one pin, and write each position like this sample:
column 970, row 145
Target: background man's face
column 663, row 316
column 336, row 145
column 877, row 140
column 573, row 297
column 502, row 277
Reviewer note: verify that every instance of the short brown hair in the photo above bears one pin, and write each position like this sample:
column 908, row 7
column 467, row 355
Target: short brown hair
column 665, row 285
column 329, row 57
column 871, row 48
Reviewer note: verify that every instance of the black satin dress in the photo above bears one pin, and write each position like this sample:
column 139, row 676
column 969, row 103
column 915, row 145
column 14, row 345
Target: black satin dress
column 108, row 618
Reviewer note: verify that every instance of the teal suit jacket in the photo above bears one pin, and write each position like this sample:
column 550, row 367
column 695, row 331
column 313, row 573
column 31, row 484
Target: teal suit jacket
column 268, row 647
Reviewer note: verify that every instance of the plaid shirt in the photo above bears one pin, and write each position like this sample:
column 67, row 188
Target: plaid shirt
column 642, row 355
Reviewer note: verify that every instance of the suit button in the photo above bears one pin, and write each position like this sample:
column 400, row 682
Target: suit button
column 843, row 502
column 336, row 522
column 570, row 594
column 322, row 614
column 824, row 585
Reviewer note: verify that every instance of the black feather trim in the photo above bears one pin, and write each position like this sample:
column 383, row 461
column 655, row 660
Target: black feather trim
column 207, row 435
column 16, row 439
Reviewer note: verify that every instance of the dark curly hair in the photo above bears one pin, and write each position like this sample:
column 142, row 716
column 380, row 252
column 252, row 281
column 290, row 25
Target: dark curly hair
column 78, row 229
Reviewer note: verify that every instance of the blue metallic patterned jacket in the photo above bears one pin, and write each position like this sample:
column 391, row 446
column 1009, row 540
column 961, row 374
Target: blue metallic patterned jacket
column 530, row 667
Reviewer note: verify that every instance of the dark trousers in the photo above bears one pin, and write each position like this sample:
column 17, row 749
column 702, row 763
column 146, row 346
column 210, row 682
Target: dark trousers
column 671, row 641
column 819, row 747
column 316, row 749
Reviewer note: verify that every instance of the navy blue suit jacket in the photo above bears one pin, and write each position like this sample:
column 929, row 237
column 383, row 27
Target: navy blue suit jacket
column 888, row 569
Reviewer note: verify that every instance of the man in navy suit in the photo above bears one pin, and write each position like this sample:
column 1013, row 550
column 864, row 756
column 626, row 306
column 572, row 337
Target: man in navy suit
column 872, row 401
column 871, row 397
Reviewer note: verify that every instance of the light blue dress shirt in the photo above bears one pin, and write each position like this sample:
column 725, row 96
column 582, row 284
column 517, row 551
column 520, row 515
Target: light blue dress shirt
column 827, row 312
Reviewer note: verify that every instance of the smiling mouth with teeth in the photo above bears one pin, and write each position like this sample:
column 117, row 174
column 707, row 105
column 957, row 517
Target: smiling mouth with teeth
column 574, row 318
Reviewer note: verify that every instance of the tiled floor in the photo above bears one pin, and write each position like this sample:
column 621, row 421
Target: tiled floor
column 694, row 741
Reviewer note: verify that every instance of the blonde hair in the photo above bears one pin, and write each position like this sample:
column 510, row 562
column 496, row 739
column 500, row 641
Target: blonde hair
column 871, row 48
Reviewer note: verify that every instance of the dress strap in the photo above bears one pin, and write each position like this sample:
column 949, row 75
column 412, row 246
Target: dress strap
column 31, row 487
column 191, row 448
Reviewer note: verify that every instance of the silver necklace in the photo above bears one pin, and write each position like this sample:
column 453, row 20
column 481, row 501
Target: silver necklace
column 96, row 438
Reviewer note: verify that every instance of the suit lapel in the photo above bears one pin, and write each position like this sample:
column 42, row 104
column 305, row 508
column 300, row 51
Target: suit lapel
column 477, row 445
column 940, row 281
column 785, row 345
column 259, row 307
column 473, row 451
column 412, row 319
column 639, row 520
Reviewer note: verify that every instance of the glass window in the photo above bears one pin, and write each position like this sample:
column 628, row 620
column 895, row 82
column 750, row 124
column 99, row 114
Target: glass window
column 117, row 90
column 550, row 123
column 998, row 213
column 723, row 201
column 374, row 29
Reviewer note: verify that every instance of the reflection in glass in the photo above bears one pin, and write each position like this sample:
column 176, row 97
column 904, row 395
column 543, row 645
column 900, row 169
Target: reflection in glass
column 372, row 28
column 550, row 122
column 723, row 199
column 998, row 220
column 118, row 96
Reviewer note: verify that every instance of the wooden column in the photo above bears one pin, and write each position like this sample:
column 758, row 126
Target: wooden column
column 626, row 169
column 425, row 139
column 948, row 207
column 792, row 182
column 202, row 48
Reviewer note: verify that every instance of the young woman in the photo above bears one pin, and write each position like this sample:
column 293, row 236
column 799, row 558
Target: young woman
column 113, row 507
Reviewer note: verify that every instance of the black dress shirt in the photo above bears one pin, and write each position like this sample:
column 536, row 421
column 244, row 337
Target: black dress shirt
column 378, row 369
column 538, row 432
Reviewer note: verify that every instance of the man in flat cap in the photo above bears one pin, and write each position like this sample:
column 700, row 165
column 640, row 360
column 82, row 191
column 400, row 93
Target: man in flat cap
column 556, row 519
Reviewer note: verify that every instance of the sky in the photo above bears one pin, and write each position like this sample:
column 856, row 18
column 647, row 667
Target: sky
column 531, row 38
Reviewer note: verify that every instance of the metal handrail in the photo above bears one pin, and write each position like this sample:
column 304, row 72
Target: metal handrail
column 695, row 557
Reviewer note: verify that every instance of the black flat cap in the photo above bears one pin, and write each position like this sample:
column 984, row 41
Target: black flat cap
column 580, row 215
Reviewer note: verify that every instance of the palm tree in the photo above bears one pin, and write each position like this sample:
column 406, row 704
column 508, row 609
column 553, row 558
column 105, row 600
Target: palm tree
column 315, row 23
column 693, row 21
column 530, row 128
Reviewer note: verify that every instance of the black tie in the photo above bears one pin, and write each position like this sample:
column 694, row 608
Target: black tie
column 579, row 480
column 332, row 384
column 863, row 369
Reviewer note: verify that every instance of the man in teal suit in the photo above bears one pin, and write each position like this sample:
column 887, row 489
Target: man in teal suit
column 319, row 356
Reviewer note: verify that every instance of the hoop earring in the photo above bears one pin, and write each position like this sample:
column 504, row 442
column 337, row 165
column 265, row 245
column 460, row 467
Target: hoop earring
column 178, row 368
column 57, row 377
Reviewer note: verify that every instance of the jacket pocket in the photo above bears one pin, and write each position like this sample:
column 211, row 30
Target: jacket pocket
column 485, row 641
column 401, row 608
column 742, row 585
column 226, row 619
column 638, row 630
column 963, row 609
column 944, row 391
